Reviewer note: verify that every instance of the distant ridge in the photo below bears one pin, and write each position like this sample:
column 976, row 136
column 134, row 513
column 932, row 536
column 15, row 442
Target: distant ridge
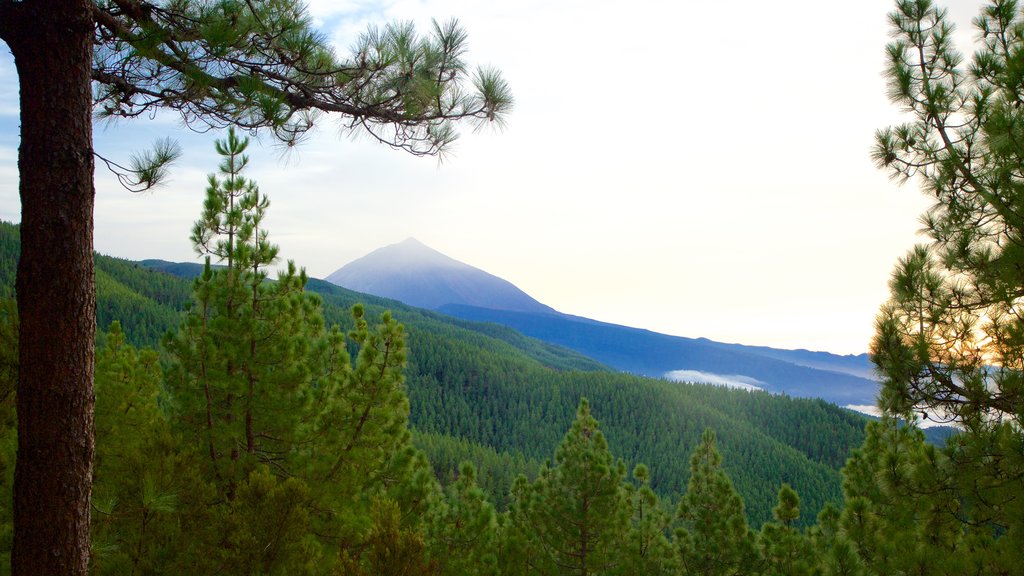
column 420, row 276
column 843, row 380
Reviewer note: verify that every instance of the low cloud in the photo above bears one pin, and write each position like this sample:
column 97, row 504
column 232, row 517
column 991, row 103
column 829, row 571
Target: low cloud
column 869, row 409
column 698, row 377
column 927, row 421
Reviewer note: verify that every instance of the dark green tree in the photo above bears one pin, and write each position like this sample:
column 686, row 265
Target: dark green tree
column 242, row 357
column 904, row 515
column 141, row 468
column 836, row 552
column 392, row 548
column 295, row 441
column 647, row 550
column 256, row 64
column 714, row 539
column 574, row 518
column 950, row 341
column 785, row 550
column 463, row 529
column 8, row 423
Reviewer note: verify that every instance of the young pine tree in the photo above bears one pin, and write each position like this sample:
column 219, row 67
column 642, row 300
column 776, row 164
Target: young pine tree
column 242, row 354
column 786, row 551
column 141, row 470
column 463, row 529
column 648, row 550
column 714, row 539
column 837, row 554
column 295, row 440
column 574, row 519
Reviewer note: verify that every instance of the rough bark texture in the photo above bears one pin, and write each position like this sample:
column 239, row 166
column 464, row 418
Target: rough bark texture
column 52, row 46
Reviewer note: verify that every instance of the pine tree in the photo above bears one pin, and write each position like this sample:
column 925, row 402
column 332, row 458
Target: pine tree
column 902, row 510
column 142, row 471
column 463, row 529
column 837, row 554
column 949, row 343
column 647, row 550
column 714, row 539
column 392, row 548
column 574, row 518
column 295, row 441
column 786, row 551
column 256, row 64
column 242, row 360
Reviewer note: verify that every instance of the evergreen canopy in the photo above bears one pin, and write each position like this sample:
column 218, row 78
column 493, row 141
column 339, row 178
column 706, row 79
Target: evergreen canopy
column 252, row 63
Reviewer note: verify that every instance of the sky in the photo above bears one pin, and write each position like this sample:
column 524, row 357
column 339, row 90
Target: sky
column 699, row 169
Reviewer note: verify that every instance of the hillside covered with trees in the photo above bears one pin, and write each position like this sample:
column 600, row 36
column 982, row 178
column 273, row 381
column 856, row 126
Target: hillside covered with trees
column 275, row 429
column 484, row 393
column 248, row 376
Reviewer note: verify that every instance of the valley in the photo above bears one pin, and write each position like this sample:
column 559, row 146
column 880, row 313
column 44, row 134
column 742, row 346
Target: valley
column 490, row 394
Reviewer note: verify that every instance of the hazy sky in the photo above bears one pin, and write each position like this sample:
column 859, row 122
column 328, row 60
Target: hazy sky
column 694, row 168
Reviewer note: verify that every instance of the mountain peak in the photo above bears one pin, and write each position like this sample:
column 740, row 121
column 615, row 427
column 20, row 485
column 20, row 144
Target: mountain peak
column 404, row 257
column 416, row 274
column 410, row 243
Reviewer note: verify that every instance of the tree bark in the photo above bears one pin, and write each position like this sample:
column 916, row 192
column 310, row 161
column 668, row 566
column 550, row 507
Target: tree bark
column 52, row 46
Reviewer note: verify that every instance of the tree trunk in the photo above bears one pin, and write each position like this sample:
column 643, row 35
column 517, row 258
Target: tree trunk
column 52, row 47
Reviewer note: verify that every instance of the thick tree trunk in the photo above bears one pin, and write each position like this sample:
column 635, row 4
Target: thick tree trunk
column 52, row 46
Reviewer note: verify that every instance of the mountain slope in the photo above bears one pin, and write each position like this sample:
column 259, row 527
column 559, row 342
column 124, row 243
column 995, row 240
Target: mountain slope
column 653, row 354
column 468, row 390
column 420, row 276
column 488, row 394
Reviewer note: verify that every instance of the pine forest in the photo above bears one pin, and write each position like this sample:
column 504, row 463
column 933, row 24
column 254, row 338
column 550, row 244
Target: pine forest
column 251, row 420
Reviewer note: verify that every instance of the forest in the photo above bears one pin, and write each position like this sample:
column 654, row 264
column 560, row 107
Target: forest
column 253, row 425
column 484, row 393
column 240, row 429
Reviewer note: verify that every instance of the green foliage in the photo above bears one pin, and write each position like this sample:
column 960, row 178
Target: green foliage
column 517, row 408
column 242, row 367
column 714, row 538
column 10, row 248
column 391, row 548
column 574, row 518
column 147, row 304
column 266, row 527
column 463, row 529
column 262, row 65
column 788, row 509
column 785, row 550
column 495, row 471
column 292, row 438
column 908, row 508
column 837, row 554
column 141, row 469
column 647, row 549
column 950, row 341
column 8, row 424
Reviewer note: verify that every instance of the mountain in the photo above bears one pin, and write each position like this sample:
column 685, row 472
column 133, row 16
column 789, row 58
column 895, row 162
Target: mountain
column 484, row 393
column 796, row 373
column 420, row 276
